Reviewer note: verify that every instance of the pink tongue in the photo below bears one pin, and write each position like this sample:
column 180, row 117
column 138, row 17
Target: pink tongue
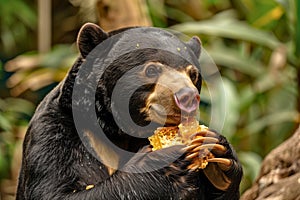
column 187, row 106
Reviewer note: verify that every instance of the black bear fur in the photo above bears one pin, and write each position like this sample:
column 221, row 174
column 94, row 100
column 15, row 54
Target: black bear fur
column 57, row 165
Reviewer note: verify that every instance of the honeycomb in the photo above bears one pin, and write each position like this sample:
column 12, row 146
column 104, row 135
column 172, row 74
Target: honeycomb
column 168, row 136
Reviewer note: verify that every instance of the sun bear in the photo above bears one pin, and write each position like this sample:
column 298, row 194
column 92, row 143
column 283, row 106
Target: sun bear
column 88, row 137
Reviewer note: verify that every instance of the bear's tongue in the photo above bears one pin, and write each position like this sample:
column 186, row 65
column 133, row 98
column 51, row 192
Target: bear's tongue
column 188, row 106
column 188, row 102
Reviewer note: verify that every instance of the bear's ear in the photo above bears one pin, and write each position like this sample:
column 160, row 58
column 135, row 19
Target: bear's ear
column 195, row 45
column 90, row 35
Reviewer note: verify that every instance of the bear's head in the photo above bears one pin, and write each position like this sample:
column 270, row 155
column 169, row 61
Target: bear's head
column 146, row 76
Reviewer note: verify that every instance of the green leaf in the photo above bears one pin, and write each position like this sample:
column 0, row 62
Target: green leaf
column 1, row 70
column 232, row 110
column 236, row 61
column 157, row 12
column 57, row 55
column 5, row 123
column 178, row 15
column 297, row 34
column 268, row 120
column 4, row 166
column 229, row 28
column 251, row 164
column 20, row 106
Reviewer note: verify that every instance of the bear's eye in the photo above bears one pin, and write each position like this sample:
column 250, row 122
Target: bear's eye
column 152, row 71
column 193, row 75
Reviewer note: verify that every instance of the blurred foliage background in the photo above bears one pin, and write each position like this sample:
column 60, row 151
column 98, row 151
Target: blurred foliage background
column 255, row 44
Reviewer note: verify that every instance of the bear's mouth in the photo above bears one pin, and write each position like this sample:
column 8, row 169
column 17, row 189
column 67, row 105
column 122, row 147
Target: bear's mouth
column 173, row 117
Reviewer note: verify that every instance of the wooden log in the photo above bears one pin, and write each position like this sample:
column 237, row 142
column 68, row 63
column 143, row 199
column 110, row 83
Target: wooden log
column 279, row 177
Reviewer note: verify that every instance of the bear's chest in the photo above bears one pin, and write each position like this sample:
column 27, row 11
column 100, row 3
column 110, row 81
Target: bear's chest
column 88, row 171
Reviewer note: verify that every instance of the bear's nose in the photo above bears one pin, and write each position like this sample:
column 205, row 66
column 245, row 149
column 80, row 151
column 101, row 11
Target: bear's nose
column 187, row 99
